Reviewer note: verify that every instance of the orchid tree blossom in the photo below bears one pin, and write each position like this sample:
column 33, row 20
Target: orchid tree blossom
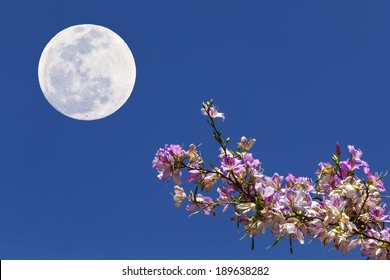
column 342, row 206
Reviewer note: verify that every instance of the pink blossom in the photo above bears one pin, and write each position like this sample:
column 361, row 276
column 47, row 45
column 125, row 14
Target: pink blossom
column 264, row 191
column 212, row 112
column 202, row 203
column 339, row 206
column 231, row 164
column 193, row 176
column 378, row 213
column 225, row 197
column 356, row 154
column 164, row 163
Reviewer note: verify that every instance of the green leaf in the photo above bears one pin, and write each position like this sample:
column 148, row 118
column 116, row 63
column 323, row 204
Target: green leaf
column 276, row 241
column 335, row 159
column 197, row 212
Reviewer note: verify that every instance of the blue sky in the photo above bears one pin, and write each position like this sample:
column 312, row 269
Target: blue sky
column 296, row 75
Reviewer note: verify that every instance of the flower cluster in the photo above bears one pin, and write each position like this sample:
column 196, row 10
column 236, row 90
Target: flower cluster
column 343, row 206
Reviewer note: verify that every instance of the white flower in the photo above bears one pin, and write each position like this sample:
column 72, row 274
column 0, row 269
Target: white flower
column 350, row 191
column 246, row 207
column 179, row 196
column 246, row 145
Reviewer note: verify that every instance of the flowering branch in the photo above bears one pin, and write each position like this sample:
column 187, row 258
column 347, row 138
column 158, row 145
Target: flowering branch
column 339, row 207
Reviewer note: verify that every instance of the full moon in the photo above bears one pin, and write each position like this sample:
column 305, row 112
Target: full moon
column 86, row 72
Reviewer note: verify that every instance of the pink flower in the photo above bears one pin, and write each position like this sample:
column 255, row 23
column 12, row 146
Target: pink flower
column 193, row 176
column 176, row 150
column 378, row 213
column 296, row 200
column 373, row 248
column 355, row 163
column 374, row 179
column 225, row 196
column 248, row 159
column 265, row 191
column 356, row 154
column 231, row 164
column 164, row 162
column 212, row 112
column 349, row 245
column 294, row 229
column 176, row 176
column 338, row 206
column 203, row 203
